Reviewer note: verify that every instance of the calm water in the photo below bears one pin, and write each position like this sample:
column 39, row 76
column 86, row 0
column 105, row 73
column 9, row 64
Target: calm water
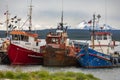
column 103, row 74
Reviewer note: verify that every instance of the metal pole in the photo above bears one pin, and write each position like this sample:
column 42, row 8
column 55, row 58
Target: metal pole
column 30, row 17
column 93, row 31
column 62, row 16
column 7, row 22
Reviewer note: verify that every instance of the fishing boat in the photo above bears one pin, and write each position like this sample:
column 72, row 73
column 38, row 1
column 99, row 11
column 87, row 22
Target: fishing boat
column 24, row 46
column 91, row 58
column 98, row 53
column 58, row 50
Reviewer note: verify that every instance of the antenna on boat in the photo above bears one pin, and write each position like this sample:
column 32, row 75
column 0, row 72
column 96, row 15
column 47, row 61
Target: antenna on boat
column 62, row 14
column 30, row 16
column 98, row 16
column 60, row 26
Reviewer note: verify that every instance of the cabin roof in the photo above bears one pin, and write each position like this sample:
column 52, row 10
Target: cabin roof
column 102, row 33
column 52, row 35
column 19, row 32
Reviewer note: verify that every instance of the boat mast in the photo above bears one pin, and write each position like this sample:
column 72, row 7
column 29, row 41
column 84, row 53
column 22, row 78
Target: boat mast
column 93, row 31
column 30, row 16
column 7, row 21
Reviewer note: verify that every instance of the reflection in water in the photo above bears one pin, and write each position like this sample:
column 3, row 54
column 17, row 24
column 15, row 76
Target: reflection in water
column 103, row 74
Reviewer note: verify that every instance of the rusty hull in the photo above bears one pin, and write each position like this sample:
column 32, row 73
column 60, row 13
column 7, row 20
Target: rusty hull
column 59, row 57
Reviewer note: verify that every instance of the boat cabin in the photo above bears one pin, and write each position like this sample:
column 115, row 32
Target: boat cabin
column 58, row 37
column 102, row 36
column 103, row 42
column 53, row 38
column 24, row 38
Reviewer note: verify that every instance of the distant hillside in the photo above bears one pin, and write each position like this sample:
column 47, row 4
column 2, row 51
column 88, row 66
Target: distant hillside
column 73, row 34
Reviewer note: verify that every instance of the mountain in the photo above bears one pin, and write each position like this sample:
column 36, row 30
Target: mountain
column 88, row 25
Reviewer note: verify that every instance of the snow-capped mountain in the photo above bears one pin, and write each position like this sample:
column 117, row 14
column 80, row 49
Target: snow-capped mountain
column 87, row 26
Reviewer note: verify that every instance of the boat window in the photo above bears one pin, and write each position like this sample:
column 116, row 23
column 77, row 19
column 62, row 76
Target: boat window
column 26, row 38
column 99, row 37
column 18, row 37
column 22, row 37
column 95, row 37
column 105, row 37
column 15, row 37
column 37, row 43
column 54, row 40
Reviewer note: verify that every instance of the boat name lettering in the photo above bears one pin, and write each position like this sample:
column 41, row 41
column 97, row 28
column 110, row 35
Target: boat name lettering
column 27, row 43
column 16, row 42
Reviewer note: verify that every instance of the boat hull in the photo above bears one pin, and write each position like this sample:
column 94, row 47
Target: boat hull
column 19, row 55
column 92, row 59
column 58, row 57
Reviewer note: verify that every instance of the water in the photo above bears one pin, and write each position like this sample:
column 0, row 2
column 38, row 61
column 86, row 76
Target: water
column 103, row 74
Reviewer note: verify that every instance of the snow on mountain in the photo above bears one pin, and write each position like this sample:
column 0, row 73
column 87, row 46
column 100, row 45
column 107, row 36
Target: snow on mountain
column 87, row 26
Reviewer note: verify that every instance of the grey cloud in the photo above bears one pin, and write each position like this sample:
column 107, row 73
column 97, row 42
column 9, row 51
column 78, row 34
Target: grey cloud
column 49, row 11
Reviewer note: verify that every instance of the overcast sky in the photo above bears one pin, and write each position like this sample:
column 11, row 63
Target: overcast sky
column 47, row 13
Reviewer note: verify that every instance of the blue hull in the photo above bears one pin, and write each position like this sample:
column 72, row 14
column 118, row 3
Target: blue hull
column 92, row 59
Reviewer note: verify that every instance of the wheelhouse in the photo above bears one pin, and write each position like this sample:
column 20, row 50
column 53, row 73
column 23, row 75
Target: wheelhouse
column 22, row 36
column 56, row 38
column 102, row 36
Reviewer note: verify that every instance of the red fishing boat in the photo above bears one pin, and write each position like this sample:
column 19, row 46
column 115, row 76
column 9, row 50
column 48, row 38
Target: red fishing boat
column 24, row 46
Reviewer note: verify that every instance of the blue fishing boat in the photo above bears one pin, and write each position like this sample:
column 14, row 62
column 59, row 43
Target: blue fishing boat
column 90, row 58
column 93, row 55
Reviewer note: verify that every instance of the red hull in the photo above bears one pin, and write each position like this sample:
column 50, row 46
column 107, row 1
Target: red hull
column 19, row 55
